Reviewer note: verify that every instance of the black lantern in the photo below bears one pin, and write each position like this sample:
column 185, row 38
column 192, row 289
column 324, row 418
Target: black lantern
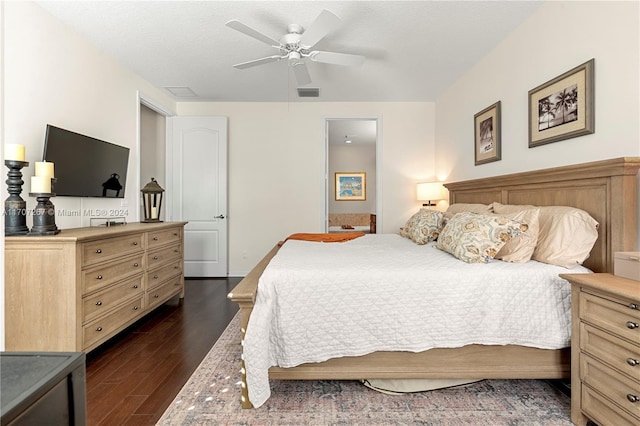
column 152, row 201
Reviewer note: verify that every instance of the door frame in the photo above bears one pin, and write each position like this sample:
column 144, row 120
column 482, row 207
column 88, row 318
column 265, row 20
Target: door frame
column 149, row 102
column 379, row 191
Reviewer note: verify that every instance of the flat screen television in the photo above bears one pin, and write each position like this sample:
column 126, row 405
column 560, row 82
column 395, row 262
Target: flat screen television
column 85, row 166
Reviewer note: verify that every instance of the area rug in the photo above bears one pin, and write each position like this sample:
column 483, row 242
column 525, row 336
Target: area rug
column 212, row 397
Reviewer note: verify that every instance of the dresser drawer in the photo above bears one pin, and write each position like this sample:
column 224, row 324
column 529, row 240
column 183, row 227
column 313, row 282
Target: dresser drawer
column 162, row 237
column 160, row 275
column 103, row 301
column 101, row 275
column 162, row 293
column 163, row 256
column 614, row 351
column 598, row 408
column 105, row 327
column 616, row 387
column 615, row 317
column 110, row 248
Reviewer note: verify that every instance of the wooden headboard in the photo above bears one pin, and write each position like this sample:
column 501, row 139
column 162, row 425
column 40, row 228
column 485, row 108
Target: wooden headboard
column 605, row 189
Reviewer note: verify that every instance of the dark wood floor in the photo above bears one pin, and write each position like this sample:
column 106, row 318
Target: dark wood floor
column 132, row 378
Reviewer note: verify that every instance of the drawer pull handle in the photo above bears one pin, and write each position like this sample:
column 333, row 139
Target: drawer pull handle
column 632, row 362
column 155, row 257
column 98, row 303
column 633, row 398
column 155, row 277
column 175, row 234
column 155, row 238
column 99, row 277
column 135, row 265
column 99, row 251
column 135, row 286
column 633, row 306
column 99, row 329
column 631, row 325
column 176, row 251
column 156, row 296
column 135, row 308
column 135, row 243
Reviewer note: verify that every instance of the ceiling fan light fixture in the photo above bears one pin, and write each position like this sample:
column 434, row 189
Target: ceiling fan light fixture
column 296, row 46
column 295, row 59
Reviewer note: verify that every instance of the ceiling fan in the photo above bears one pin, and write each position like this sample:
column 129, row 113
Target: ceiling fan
column 296, row 45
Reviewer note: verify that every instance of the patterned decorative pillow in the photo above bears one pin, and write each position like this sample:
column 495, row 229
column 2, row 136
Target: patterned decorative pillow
column 477, row 238
column 423, row 226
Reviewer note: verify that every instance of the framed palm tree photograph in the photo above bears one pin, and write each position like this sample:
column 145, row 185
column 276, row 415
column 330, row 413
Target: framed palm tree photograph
column 487, row 132
column 563, row 108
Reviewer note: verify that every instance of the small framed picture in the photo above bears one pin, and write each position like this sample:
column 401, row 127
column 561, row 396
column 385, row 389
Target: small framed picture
column 563, row 108
column 487, row 135
column 351, row 186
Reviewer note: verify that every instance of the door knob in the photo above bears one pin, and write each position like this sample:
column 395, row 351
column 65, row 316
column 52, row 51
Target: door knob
column 220, row 216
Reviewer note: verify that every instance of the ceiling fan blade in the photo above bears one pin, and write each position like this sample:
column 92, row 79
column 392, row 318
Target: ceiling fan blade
column 336, row 58
column 255, row 62
column 239, row 26
column 302, row 73
column 325, row 23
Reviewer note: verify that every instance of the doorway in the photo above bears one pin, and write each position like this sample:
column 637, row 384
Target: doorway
column 352, row 153
column 199, row 191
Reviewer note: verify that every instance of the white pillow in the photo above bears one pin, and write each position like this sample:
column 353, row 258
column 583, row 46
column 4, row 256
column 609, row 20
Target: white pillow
column 566, row 235
column 520, row 249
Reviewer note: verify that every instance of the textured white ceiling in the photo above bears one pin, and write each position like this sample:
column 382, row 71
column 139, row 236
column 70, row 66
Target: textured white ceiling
column 414, row 49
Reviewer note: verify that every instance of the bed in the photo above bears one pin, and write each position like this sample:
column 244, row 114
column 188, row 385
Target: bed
column 605, row 189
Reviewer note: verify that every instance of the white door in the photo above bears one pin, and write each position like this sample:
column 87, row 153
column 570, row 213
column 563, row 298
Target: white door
column 198, row 163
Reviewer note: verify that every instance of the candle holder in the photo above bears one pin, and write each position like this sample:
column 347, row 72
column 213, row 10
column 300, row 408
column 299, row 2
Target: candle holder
column 44, row 215
column 15, row 208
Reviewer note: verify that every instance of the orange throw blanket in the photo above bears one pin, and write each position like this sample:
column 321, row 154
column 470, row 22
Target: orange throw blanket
column 324, row 238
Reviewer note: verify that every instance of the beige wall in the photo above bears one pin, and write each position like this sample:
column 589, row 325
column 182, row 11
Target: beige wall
column 277, row 167
column 578, row 31
column 52, row 75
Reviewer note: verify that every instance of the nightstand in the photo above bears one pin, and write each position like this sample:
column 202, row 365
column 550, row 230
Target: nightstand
column 605, row 349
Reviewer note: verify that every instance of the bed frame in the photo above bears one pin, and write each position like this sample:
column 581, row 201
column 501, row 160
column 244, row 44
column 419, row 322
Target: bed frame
column 607, row 190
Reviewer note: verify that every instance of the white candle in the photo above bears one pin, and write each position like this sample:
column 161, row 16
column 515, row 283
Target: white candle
column 44, row 169
column 154, row 212
column 14, row 152
column 41, row 184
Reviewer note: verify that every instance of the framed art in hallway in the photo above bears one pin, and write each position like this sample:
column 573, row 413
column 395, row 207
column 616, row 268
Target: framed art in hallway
column 563, row 108
column 487, row 135
column 351, row 186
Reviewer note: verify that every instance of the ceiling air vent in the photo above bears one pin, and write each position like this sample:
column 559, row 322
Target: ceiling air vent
column 181, row 91
column 308, row 92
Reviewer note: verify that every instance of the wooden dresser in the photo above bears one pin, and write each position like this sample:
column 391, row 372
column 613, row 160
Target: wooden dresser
column 605, row 349
column 72, row 291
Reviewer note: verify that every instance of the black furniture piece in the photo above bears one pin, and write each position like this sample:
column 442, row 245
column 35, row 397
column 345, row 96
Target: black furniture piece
column 42, row 388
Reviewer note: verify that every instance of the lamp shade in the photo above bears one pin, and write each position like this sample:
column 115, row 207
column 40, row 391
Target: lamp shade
column 429, row 191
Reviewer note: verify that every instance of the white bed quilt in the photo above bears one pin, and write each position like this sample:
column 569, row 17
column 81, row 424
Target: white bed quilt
column 382, row 292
